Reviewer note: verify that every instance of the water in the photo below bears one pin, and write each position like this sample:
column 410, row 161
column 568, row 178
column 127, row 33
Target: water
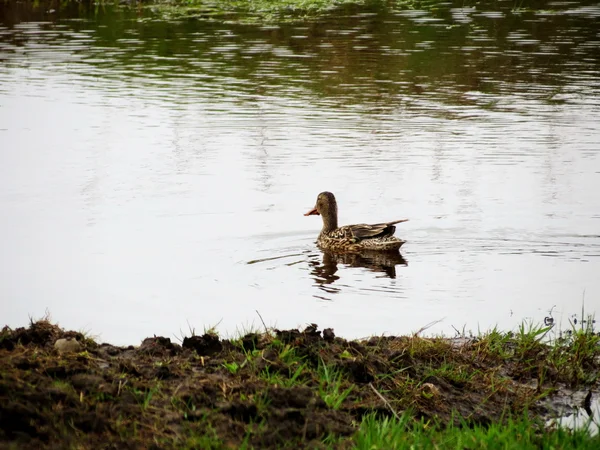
column 577, row 410
column 154, row 174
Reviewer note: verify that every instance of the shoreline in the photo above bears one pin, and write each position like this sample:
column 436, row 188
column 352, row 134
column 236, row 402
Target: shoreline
column 290, row 388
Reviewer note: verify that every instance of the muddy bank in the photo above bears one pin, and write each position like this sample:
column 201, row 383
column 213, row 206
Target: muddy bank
column 300, row 389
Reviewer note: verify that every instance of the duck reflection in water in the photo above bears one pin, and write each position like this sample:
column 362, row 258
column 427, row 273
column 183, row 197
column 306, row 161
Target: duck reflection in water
column 373, row 247
column 375, row 261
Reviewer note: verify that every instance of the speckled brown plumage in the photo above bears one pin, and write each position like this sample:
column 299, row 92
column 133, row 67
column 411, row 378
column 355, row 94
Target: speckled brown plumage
column 352, row 238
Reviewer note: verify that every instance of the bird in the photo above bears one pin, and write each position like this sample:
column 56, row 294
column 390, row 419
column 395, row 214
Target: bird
column 352, row 238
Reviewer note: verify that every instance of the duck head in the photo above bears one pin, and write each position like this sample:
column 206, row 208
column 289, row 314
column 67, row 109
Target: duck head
column 326, row 207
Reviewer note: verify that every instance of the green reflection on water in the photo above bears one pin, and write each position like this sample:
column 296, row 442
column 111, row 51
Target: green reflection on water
column 379, row 58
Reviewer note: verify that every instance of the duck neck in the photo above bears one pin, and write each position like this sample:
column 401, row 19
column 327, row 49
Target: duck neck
column 330, row 221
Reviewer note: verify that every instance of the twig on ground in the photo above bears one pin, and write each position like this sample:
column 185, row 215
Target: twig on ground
column 263, row 322
column 429, row 325
column 384, row 400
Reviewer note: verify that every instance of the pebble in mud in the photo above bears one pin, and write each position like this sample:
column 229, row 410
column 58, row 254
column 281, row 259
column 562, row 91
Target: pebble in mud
column 430, row 390
column 68, row 345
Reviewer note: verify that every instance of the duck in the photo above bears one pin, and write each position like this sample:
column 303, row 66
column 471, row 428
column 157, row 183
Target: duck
column 352, row 238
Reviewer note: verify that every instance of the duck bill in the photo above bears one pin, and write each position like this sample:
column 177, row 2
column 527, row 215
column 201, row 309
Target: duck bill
column 312, row 212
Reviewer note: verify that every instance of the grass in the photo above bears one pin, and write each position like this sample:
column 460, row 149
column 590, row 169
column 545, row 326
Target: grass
column 293, row 378
column 331, row 386
column 145, row 396
column 454, row 373
column 515, row 433
column 232, row 367
column 567, row 357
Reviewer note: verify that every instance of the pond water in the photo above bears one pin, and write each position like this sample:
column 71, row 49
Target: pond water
column 154, row 174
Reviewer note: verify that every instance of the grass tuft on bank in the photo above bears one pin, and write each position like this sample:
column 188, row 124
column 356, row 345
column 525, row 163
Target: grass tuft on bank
column 521, row 432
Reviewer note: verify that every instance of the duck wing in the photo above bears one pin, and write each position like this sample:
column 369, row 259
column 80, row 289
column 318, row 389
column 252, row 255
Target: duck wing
column 364, row 231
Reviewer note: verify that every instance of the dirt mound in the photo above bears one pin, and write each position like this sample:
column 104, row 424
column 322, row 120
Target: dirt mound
column 288, row 388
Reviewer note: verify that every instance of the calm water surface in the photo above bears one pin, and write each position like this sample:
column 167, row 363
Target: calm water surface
column 154, row 174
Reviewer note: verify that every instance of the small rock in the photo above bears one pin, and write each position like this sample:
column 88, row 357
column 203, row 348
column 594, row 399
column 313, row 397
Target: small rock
column 68, row 345
column 328, row 334
column 86, row 383
column 430, row 390
column 158, row 345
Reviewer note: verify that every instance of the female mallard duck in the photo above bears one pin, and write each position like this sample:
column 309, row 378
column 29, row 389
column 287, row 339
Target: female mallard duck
column 352, row 238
